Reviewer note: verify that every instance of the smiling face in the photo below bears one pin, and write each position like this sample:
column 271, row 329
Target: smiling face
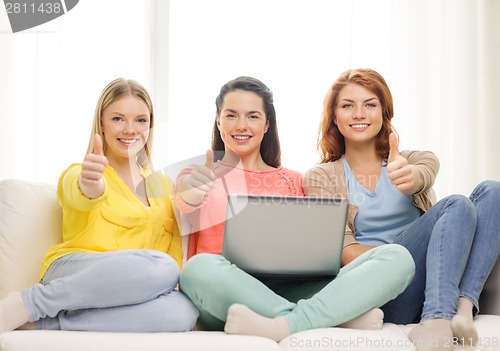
column 242, row 123
column 358, row 114
column 125, row 125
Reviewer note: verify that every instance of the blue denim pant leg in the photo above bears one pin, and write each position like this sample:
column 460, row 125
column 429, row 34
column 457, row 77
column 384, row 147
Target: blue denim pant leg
column 169, row 312
column 112, row 291
column 486, row 246
column 439, row 242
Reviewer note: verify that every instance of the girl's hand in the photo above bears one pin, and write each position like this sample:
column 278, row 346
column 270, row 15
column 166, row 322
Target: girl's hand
column 403, row 176
column 351, row 252
column 199, row 182
column 90, row 180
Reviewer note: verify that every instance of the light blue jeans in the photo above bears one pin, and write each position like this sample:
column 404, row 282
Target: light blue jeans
column 118, row 291
column 372, row 279
column 455, row 246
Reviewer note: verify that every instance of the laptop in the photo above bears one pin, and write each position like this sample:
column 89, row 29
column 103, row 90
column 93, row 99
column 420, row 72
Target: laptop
column 285, row 236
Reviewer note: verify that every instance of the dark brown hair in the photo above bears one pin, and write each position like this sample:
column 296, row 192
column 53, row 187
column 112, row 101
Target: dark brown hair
column 270, row 147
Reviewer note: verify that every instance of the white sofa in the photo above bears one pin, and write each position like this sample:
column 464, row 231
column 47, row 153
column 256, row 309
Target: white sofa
column 30, row 220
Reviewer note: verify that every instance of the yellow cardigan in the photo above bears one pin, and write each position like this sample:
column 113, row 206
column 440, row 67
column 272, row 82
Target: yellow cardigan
column 117, row 220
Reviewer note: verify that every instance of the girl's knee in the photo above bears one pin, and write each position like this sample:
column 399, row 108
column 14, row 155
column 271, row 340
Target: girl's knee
column 187, row 322
column 462, row 203
column 188, row 314
column 458, row 200
column 489, row 188
column 154, row 266
column 399, row 257
column 172, row 312
column 199, row 268
column 395, row 251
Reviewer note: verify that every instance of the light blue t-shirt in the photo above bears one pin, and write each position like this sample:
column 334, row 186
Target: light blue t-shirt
column 382, row 214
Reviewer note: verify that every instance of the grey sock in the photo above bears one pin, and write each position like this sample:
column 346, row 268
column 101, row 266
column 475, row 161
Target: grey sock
column 462, row 324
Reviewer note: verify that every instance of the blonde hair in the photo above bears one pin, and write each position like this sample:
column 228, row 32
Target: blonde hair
column 112, row 92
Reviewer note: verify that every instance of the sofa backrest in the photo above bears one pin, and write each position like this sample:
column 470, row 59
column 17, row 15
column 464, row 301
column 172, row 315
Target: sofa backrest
column 30, row 223
column 489, row 302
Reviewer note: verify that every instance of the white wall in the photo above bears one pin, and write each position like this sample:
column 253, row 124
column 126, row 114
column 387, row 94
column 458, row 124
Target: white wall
column 51, row 78
column 440, row 58
column 297, row 48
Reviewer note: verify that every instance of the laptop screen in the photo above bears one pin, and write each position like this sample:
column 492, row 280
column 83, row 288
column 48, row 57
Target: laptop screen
column 286, row 236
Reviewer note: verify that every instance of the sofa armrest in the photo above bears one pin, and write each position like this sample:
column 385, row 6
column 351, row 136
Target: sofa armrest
column 30, row 223
column 489, row 302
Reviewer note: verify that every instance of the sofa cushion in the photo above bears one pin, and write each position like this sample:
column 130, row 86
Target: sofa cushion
column 489, row 302
column 390, row 337
column 93, row 341
column 30, row 223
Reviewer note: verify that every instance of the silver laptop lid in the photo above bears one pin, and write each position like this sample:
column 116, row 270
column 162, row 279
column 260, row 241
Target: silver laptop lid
column 287, row 236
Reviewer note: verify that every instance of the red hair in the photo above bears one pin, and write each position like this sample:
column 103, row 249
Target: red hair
column 331, row 143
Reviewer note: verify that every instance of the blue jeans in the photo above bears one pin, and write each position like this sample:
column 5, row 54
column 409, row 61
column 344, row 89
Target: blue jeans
column 119, row 291
column 369, row 281
column 455, row 246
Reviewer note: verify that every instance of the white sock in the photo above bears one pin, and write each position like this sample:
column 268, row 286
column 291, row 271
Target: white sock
column 462, row 323
column 371, row 320
column 432, row 335
column 243, row 321
column 13, row 313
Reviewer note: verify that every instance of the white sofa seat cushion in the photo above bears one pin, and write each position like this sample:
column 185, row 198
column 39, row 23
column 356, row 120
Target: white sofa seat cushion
column 94, row 341
column 391, row 337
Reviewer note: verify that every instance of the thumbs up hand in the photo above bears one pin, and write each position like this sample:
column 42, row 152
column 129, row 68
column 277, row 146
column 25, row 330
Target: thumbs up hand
column 402, row 175
column 90, row 181
column 393, row 148
column 199, row 182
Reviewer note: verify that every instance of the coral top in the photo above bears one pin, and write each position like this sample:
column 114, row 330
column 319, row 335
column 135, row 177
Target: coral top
column 205, row 222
